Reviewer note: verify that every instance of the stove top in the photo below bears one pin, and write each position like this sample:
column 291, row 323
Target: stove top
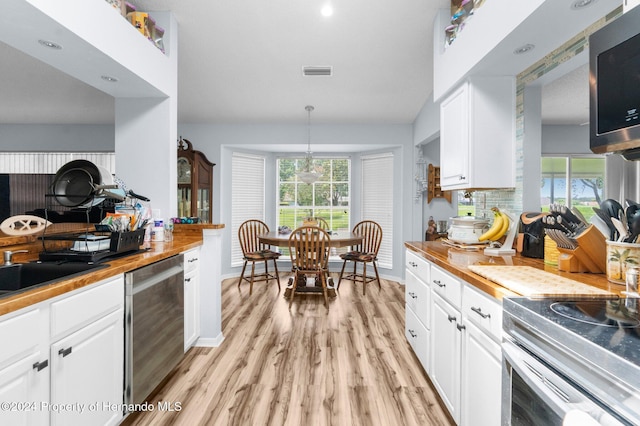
column 611, row 324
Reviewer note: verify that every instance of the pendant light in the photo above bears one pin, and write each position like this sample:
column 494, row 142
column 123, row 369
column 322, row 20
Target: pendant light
column 308, row 174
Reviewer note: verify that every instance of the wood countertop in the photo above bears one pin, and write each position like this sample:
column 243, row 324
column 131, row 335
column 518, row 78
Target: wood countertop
column 457, row 263
column 186, row 237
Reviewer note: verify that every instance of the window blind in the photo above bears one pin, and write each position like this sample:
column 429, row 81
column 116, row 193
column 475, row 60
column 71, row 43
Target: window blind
column 377, row 200
column 247, row 196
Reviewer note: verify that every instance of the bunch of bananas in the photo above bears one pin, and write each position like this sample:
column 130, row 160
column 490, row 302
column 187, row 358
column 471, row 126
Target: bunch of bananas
column 499, row 227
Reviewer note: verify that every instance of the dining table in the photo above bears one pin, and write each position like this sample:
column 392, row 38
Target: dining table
column 337, row 239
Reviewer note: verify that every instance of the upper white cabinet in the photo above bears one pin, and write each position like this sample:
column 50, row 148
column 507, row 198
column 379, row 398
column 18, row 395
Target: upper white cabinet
column 477, row 135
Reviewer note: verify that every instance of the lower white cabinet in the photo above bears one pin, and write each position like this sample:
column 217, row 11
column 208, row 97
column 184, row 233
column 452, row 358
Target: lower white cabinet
column 191, row 297
column 63, row 372
column 446, row 334
column 482, row 373
column 458, row 343
column 79, row 362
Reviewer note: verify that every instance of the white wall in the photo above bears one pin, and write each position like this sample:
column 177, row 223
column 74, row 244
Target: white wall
column 217, row 142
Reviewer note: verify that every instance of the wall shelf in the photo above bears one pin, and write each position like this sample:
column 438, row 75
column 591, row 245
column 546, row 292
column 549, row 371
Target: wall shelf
column 433, row 189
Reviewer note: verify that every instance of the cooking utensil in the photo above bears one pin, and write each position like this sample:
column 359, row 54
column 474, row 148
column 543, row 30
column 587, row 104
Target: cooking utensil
column 622, row 231
column 73, row 184
column 606, row 219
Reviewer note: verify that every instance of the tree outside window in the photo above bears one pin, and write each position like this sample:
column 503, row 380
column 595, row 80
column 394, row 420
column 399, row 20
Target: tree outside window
column 328, row 198
column 574, row 181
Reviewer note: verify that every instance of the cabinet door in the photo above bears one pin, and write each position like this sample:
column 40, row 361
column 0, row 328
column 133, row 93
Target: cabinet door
column 446, row 344
column 191, row 308
column 482, row 374
column 454, row 138
column 87, row 368
column 24, row 386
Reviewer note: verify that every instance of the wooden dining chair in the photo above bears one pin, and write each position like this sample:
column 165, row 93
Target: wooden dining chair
column 365, row 252
column 254, row 251
column 309, row 251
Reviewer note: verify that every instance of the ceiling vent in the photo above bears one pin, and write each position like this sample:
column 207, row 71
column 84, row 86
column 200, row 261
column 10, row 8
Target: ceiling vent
column 317, row 71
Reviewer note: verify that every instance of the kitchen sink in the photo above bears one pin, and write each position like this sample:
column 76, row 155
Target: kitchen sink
column 20, row 276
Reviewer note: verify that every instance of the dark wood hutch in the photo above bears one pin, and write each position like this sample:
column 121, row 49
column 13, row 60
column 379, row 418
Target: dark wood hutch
column 195, row 183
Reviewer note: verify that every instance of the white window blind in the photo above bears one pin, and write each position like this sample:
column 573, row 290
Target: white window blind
column 247, row 196
column 377, row 200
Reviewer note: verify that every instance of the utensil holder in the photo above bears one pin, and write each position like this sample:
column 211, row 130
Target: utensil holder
column 589, row 256
column 126, row 241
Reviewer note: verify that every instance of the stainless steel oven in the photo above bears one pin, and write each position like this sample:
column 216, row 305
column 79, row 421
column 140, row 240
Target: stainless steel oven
column 570, row 362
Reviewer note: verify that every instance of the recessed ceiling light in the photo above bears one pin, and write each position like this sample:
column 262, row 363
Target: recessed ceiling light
column 327, row 10
column 524, row 49
column 581, row 4
column 50, row 44
column 109, row 79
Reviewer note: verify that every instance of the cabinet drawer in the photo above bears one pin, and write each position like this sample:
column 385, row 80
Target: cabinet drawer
column 418, row 337
column 418, row 265
column 191, row 260
column 484, row 311
column 418, row 298
column 20, row 333
column 447, row 286
column 79, row 309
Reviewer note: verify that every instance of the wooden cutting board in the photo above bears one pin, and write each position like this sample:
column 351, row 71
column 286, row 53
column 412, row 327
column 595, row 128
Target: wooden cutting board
column 529, row 281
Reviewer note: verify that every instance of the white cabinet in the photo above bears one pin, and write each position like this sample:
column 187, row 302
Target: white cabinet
column 477, row 135
column 191, row 297
column 87, row 368
column 446, row 338
column 24, row 372
column 418, row 307
column 459, row 343
column 481, row 386
column 66, row 350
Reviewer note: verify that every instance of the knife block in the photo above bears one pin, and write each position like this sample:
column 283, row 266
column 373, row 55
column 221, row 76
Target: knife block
column 589, row 256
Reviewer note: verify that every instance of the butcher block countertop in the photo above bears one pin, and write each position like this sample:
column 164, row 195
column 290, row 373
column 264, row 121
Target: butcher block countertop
column 536, row 280
column 185, row 238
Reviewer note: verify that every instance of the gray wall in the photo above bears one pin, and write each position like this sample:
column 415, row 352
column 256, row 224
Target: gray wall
column 57, row 137
column 557, row 139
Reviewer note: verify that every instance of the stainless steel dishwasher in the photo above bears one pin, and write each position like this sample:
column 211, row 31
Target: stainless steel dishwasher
column 154, row 326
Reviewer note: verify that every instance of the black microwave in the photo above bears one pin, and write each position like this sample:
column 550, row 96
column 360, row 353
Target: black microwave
column 614, row 87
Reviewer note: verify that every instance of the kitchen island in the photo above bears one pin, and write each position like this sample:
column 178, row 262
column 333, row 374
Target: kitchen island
column 186, row 237
column 56, row 334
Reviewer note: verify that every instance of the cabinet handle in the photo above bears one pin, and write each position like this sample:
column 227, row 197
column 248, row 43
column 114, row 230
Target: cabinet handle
column 195, row 259
column 187, row 280
column 460, row 327
column 462, row 178
column 412, row 333
column 41, row 365
column 451, row 318
column 414, row 264
column 439, row 283
column 479, row 312
column 65, row 352
column 413, row 295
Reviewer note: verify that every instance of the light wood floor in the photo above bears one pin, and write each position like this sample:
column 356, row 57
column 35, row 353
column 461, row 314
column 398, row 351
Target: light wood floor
column 350, row 365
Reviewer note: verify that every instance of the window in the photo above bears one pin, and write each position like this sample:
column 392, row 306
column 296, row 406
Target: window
column 377, row 200
column 574, row 181
column 328, row 198
column 247, row 196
